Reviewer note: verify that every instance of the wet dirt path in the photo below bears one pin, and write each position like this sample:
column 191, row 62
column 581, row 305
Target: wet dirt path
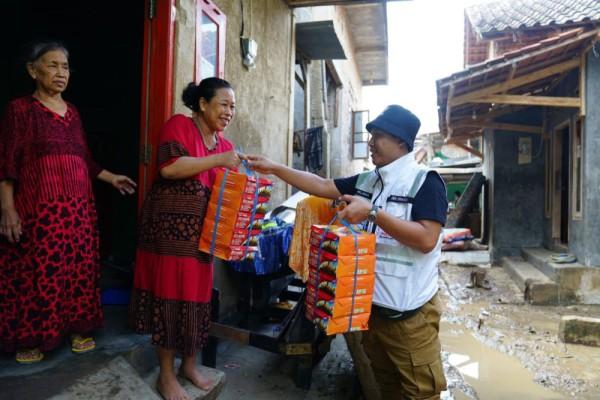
column 488, row 373
column 495, row 346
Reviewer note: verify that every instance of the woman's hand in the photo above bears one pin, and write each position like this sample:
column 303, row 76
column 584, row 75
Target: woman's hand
column 123, row 184
column 230, row 159
column 261, row 164
column 356, row 210
column 10, row 225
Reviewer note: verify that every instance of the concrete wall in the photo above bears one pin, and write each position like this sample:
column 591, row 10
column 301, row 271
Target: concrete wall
column 262, row 121
column 350, row 99
column 337, row 139
column 590, row 225
column 516, row 191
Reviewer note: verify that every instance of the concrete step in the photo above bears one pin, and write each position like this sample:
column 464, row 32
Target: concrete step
column 218, row 378
column 132, row 375
column 143, row 359
column 540, row 258
column 577, row 283
column 117, row 380
column 537, row 287
column 580, row 330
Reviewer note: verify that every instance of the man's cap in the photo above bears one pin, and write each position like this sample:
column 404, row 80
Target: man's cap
column 397, row 121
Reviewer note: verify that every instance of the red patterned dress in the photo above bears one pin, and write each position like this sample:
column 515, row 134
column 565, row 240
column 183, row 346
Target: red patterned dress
column 173, row 280
column 48, row 281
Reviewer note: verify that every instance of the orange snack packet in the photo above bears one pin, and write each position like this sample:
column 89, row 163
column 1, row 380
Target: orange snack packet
column 344, row 286
column 340, row 241
column 342, row 266
column 339, row 307
column 332, row 326
column 235, row 226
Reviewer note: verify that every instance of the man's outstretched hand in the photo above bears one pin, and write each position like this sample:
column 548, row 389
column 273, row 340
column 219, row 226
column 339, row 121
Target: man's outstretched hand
column 261, row 164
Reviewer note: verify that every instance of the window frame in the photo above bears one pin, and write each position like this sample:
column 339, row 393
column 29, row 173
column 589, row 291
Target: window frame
column 208, row 8
column 355, row 132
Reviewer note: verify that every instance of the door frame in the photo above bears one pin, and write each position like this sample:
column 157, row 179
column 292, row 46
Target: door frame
column 558, row 147
column 157, row 86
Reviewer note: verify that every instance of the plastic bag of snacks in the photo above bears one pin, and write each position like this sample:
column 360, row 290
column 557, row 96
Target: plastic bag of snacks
column 341, row 278
column 233, row 222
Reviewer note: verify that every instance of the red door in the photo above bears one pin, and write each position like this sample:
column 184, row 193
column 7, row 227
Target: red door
column 157, row 76
column 157, row 85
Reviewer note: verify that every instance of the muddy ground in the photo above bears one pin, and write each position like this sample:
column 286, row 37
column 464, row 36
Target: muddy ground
column 516, row 352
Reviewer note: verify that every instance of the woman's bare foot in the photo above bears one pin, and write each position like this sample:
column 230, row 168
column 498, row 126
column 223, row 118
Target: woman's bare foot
column 191, row 373
column 169, row 388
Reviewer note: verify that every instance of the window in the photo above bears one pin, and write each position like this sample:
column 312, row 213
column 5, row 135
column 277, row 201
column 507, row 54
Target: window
column 210, row 41
column 577, row 157
column 360, row 136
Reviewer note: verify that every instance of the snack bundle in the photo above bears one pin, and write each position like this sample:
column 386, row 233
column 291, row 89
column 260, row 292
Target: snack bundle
column 341, row 279
column 242, row 209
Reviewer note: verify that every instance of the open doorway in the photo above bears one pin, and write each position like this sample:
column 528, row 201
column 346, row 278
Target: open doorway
column 561, row 184
column 105, row 41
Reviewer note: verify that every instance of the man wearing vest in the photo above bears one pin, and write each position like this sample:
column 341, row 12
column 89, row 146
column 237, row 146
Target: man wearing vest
column 405, row 205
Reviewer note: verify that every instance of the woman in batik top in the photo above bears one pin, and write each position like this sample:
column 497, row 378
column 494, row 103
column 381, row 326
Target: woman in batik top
column 49, row 260
column 173, row 280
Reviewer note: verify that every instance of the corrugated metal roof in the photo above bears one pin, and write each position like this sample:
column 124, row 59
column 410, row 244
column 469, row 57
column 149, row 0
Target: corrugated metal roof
column 492, row 18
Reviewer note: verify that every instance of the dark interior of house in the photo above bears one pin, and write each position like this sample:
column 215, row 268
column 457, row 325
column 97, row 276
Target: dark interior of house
column 105, row 41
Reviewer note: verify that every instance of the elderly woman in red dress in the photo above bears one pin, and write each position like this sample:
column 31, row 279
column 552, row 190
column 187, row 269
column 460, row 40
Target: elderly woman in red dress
column 173, row 280
column 49, row 261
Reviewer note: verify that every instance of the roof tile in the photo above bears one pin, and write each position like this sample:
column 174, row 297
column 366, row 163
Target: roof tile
column 501, row 15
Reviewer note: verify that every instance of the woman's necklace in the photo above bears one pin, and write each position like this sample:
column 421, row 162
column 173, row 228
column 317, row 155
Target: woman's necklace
column 209, row 148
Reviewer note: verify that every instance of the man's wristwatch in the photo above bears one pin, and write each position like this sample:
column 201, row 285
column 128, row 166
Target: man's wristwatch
column 372, row 215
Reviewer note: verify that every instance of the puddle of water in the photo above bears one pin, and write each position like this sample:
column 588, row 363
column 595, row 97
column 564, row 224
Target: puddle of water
column 493, row 375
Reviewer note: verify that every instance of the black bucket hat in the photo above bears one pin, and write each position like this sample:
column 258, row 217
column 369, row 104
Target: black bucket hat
column 398, row 122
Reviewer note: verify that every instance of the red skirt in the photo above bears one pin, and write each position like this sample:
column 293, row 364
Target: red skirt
column 173, row 280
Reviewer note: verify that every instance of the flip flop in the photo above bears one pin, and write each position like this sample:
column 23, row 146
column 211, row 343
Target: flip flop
column 81, row 345
column 30, row 356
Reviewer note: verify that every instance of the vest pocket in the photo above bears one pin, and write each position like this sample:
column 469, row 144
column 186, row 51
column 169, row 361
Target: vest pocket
column 398, row 210
column 394, row 260
column 392, row 267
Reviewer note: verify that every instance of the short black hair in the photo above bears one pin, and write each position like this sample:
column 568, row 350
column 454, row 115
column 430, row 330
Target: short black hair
column 38, row 49
column 207, row 88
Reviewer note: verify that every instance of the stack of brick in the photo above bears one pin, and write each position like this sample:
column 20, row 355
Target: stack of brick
column 341, row 279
